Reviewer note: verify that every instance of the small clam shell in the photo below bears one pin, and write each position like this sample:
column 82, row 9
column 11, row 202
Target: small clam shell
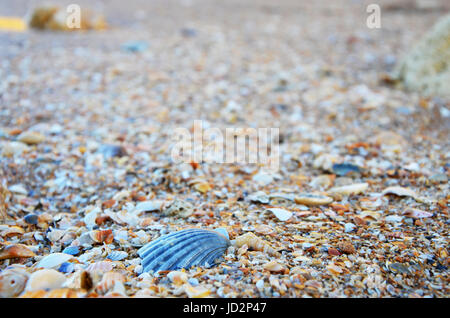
column 12, row 282
column 15, row 250
column 53, row 260
column 183, row 249
column 45, row 279
column 312, row 199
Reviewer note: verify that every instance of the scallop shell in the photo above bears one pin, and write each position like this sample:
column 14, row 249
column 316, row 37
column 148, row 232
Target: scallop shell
column 184, row 249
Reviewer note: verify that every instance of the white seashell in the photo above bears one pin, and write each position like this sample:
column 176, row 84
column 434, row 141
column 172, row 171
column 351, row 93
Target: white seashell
column 53, row 260
column 356, row 188
column 45, row 279
column 18, row 188
column 284, row 196
column 148, row 206
column 55, row 235
column 183, row 249
column 89, row 218
column 281, row 214
column 259, row 196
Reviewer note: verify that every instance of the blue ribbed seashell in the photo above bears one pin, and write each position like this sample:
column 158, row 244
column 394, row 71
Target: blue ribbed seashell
column 184, row 249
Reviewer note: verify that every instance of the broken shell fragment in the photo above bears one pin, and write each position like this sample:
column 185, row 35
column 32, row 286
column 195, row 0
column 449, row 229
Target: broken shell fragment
column 400, row 191
column 281, row 214
column 356, row 188
column 260, row 197
column 183, row 249
column 178, row 208
column 312, row 199
column 15, row 250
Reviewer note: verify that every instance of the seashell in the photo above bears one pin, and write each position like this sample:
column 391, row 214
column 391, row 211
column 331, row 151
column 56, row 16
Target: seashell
column 274, row 266
column 8, row 230
column 117, row 255
column 184, row 249
column 356, row 188
column 55, row 293
column 259, row 196
column 66, row 268
column 416, row 213
column 177, row 277
column 196, row 292
column 89, row 218
column 283, row 196
column 264, row 229
column 312, row 199
column 45, row 279
column 255, row 243
column 178, row 208
column 102, row 266
column 72, row 250
column 53, row 260
column 400, row 191
column 281, row 214
column 18, row 189
column 148, row 206
column 55, row 235
column 12, row 281
column 15, row 250
column 111, row 282
column 102, row 236
column 31, row 137
column 79, row 280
